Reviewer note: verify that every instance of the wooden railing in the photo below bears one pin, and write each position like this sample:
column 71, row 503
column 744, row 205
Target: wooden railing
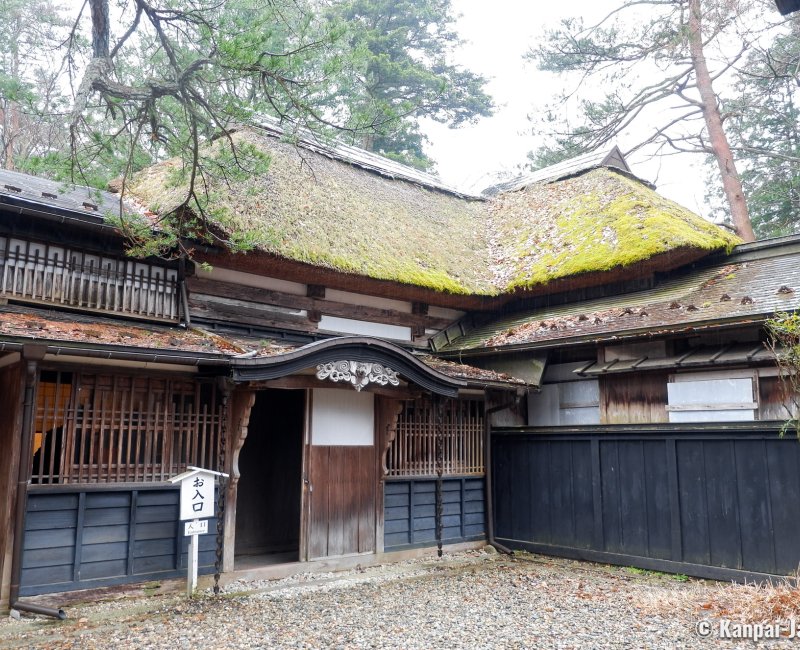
column 34, row 271
column 118, row 428
column 413, row 450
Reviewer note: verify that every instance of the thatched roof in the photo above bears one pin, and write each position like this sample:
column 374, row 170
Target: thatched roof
column 755, row 282
column 597, row 223
column 315, row 207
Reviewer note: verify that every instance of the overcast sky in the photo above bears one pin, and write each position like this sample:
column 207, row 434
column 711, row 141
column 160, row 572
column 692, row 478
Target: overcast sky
column 498, row 33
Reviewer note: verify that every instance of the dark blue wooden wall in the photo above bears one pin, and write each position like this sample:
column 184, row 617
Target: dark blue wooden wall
column 718, row 502
column 79, row 539
column 410, row 512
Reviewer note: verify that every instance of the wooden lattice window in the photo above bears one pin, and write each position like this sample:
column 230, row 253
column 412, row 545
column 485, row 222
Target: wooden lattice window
column 412, row 452
column 38, row 272
column 121, row 428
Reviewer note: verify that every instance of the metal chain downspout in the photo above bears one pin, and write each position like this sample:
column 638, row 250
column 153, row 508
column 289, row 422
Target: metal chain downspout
column 223, row 484
column 439, row 451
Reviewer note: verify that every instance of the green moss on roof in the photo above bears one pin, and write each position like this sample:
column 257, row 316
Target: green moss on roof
column 591, row 223
column 311, row 208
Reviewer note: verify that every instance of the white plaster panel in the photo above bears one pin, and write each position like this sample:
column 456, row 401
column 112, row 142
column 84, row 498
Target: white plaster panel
column 251, row 280
column 364, row 328
column 342, row 417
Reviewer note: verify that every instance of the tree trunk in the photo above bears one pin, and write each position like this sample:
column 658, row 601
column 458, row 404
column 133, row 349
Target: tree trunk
column 731, row 183
column 101, row 28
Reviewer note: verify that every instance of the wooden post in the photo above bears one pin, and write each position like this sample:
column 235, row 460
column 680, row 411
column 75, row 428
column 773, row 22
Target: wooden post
column 191, row 577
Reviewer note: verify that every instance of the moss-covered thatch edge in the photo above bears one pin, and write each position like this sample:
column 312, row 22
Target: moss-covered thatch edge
column 576, row 232
column 612, row 223
column 310, row 208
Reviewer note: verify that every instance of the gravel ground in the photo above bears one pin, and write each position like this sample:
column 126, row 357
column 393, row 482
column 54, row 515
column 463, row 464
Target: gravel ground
column 465, row 600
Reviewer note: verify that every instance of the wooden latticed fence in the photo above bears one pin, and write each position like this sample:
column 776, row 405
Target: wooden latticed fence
column 118, row 428
column 39, row 272
column 413, row 450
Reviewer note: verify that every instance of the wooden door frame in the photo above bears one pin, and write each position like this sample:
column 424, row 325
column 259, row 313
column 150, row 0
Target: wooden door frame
column 305, row 507
column 305, row 500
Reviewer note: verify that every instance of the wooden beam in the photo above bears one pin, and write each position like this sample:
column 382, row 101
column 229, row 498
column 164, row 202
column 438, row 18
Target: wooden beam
column 310, row 381
column 248, row 314
column 234, row 291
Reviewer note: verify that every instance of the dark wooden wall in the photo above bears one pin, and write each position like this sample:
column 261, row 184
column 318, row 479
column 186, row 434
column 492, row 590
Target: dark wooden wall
column 79, row 539
column 11, row 390
column 410, row 512
column 718, row 502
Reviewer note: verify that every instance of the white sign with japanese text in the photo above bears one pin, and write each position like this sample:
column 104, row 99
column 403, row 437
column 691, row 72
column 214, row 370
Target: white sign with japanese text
column 199, row 527
column 197, row 496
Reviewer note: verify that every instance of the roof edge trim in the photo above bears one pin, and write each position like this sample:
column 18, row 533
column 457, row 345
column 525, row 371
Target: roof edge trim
column 355, row 348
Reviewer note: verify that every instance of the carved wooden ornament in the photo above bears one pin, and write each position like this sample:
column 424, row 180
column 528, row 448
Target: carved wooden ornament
column 357, row 373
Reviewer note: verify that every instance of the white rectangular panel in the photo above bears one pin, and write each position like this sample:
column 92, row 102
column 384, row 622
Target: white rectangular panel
column 715, row 391
column 350, row 326
column 342, row 417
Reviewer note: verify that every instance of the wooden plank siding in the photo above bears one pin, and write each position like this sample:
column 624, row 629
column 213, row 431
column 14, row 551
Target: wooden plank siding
column 11, row 394
column 633, row 398
column 81, row 538
column 251, row 302
column 56, row 275
column 342, row 501
column 719, row 502
column 410, row 512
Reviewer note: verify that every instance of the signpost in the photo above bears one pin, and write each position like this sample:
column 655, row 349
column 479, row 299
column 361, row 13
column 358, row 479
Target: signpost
column 197, row 503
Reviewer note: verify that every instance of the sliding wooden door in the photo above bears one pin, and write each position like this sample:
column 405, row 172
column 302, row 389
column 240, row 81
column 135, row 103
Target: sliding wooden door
column 341, row 474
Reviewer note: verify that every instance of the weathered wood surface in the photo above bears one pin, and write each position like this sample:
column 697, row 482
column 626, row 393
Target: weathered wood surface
column 241, row 405
column 202, row 289
column 78, row 539
column 11, row 390
column 341, row 500
column 122, row 428
column 713, row 503
column 410, row 516
column 412, row 451
column 247, row 313
column 633, row 398
column 39, row 272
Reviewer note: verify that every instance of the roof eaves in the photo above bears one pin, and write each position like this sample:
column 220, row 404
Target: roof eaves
column 617, row 336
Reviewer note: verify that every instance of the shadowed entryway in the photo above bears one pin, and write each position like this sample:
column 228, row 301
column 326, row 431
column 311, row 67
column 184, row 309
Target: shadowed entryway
column 270, row 464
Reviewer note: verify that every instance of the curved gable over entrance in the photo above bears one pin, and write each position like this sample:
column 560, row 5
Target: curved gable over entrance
column 349, row 348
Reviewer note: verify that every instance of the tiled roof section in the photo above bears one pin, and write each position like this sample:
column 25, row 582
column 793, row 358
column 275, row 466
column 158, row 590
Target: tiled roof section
column 42, row 326
column 602, row 158
column 47, row 326
column 743, row 288
column 470, row 373
column 61, row 195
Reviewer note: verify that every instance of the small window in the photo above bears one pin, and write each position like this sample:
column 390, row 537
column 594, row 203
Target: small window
column 712, row 398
